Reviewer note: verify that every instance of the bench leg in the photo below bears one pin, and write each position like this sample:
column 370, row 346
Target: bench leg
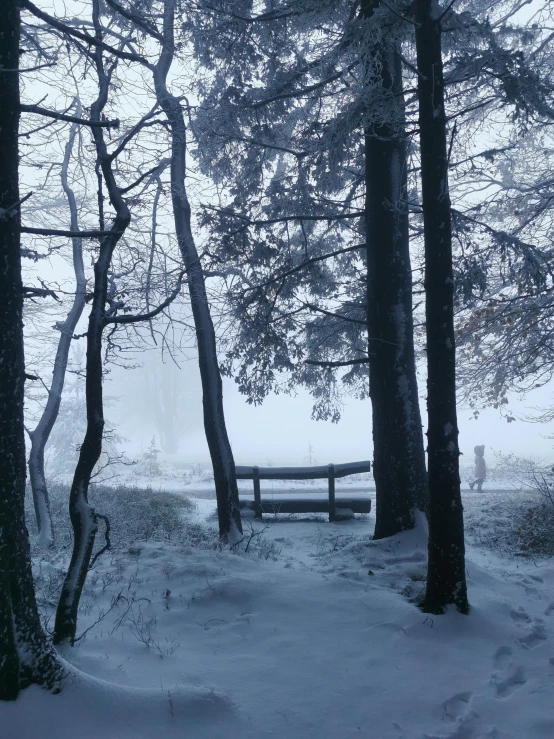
column 257, row 493
column 331, row 477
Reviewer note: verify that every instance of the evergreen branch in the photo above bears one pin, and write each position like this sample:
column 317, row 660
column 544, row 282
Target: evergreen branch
column 346, row 363
column 304, row 90
column 271, row 15
column 317, row 309
column 303, row 265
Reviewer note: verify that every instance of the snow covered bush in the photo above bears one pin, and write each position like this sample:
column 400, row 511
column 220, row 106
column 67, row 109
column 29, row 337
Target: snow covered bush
column 135, row 514
column 535, row 532
column 197, row 473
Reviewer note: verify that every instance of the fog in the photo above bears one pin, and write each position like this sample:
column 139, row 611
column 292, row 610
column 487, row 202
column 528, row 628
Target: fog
column 281, row 430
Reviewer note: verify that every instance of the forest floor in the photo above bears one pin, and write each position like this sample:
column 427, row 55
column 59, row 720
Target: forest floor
column 309, row 632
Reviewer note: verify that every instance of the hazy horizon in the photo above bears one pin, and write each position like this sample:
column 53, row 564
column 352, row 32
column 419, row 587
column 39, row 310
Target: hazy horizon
column 281, row 430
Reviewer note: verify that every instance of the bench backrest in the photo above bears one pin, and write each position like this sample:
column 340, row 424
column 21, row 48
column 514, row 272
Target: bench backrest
column 301, row 473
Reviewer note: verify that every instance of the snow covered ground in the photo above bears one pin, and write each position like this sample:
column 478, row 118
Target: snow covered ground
column 310, row 633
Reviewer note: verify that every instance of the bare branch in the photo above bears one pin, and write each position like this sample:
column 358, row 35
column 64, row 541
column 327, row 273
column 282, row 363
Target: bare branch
column 150, row 314
column 108, row 544
column 137, row 19
column 30, row 69
column 8, row 211
column 154, row 171
column 91, row 40
column 39, row 292
column 36, row 109
column 143, row 123
column 67, row 234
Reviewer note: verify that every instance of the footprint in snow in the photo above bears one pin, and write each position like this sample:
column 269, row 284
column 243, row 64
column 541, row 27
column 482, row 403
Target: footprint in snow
column 505, row 687
column 506, row 682
column 501, row 657
column 456, row 707
column 520, row 615
column 549, row 609
column 534, row 637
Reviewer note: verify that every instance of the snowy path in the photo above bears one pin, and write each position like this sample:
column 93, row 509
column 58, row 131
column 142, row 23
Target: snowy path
column 318, row 641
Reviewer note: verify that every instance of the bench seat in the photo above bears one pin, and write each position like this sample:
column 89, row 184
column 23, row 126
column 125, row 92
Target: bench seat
column 304, row 504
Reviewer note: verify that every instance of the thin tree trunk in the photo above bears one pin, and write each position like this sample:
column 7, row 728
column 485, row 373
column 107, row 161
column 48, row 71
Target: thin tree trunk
column 41, row 434
column 446, row 581
column 84, row 519
column 230, row 526
column 398, row 454
column 26, row 656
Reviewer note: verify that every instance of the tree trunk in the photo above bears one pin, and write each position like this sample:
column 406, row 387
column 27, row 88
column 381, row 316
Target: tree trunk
column 26, row 656
column 446, row 582
column 230, row 527
column 84, row 519
column 398, row 454
column 39, row 437
column 83, row 516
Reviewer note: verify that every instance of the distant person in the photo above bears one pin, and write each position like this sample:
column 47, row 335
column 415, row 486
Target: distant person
column 480, row 471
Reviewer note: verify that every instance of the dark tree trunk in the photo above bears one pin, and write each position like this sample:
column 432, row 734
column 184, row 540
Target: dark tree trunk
column 84, row 519
column 398, row 450
column 228, row 508
column 41, row 434
column 446, row 581
column 26, row 656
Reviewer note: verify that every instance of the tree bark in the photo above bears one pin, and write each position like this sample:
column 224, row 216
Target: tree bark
column 230, row 526
column 398, row 449
column 41, row 434
column 446, row 582
column 84, row 519
column 26, row 656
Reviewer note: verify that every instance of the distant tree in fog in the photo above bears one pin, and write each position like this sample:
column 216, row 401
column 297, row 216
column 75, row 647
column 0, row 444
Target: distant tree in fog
column 167, row 390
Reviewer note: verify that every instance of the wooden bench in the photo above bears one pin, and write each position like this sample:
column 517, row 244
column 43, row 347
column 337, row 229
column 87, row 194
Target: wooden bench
column 298, row 504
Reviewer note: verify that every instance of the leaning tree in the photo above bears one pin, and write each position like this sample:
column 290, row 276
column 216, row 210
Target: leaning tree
column 41, row 433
